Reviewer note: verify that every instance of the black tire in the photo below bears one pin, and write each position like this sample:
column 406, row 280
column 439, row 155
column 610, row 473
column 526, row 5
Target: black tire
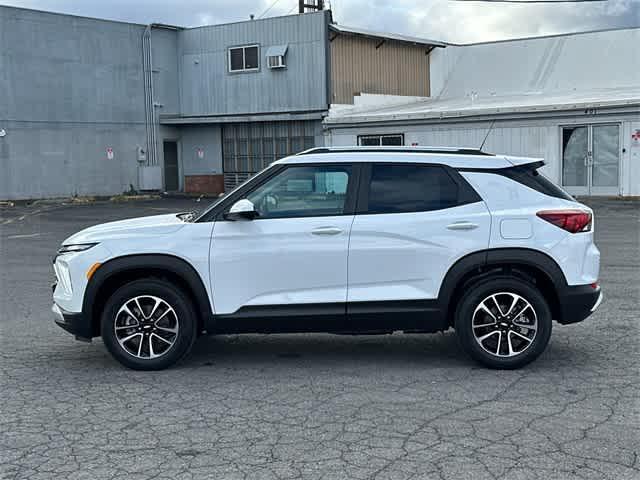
column 183, row 319
column 508, row 288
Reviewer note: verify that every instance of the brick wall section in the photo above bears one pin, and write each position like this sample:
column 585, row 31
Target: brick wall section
column 204, row 184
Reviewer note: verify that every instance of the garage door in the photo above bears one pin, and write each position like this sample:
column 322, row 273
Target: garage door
column 250, row 147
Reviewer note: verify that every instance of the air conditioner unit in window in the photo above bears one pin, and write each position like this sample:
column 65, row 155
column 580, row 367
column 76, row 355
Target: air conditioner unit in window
column 276, row 61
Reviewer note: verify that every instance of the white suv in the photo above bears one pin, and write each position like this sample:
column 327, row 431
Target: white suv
column 343, row 240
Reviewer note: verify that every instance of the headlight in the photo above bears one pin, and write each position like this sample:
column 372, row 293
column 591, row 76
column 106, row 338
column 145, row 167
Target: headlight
column 78, row 247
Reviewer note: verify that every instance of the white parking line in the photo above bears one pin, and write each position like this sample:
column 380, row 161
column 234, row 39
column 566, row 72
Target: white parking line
column 30, row 235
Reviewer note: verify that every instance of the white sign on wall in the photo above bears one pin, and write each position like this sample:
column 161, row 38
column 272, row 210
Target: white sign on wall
column 109, row 153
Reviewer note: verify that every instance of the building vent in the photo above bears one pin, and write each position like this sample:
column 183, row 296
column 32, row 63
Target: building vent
column 276, row 56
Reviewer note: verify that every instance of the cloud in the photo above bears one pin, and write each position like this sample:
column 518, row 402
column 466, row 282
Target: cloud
column 450, row 20
column 481, row 21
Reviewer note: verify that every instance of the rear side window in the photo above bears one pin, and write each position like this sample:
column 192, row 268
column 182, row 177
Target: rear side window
column 410, row 188
column 529, row 176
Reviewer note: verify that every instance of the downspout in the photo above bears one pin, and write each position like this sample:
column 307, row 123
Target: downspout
column 328, row 78
column 154, row 123
column 145, row 69
column 151, row 117
column 146, row 107
column 148, row 91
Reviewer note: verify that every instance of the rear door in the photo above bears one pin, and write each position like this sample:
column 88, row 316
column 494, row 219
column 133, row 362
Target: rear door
column 413, row 222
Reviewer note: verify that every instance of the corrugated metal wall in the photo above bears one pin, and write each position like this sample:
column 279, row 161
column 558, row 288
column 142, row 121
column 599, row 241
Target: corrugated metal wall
column 393, row 68
column 534, row 138
column 207, row 88
column 71, row 88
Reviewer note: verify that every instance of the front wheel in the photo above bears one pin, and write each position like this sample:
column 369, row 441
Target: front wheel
column 148, row 324
column 503, row 322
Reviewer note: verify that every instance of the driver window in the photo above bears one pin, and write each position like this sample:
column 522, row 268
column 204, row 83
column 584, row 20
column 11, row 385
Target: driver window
column 303, row 192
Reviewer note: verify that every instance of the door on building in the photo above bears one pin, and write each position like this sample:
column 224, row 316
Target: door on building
column 591, row 159
column 171, row 174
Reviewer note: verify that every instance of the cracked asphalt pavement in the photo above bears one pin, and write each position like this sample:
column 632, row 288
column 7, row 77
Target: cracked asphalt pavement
column 312, row 406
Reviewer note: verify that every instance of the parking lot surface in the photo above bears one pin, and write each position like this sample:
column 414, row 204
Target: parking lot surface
column 312, row 406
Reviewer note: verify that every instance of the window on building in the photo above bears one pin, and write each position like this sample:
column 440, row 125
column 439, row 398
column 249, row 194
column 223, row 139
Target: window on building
column 303, row 192
column 410, row 188
column 381, row 140
column 243, row 58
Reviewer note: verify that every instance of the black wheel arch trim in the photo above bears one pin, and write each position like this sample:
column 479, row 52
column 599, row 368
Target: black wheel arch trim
column 500, row 256
column 532, row 258
column 153, row 262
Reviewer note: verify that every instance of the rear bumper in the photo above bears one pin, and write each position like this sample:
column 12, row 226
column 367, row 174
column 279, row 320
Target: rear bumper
column 74, row 323
column 577, row 303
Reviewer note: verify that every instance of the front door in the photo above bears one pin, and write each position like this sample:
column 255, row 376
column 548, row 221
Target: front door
column 294, row 254
column 591, row 159
column 171, row 182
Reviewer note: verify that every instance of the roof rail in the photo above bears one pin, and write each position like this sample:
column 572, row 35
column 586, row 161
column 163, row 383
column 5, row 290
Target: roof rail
column 444, row 150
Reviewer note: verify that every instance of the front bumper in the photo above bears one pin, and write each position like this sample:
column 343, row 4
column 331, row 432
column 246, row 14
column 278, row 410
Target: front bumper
column 74, row 323
column 578, row 302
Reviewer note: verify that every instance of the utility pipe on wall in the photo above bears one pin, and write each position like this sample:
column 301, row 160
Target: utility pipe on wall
column 150, row 114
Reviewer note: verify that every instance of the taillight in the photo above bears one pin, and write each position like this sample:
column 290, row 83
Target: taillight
column 573, row 221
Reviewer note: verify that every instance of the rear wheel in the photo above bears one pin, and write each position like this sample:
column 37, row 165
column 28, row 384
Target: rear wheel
column 148, row 324
column 503, row 322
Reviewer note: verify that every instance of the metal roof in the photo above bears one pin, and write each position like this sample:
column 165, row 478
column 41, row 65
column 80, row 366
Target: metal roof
column 536, row 37
column 385, row 36
column 451, row 108
column 575, row 62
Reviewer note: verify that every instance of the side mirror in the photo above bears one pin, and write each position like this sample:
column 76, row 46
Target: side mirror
column 242, row 210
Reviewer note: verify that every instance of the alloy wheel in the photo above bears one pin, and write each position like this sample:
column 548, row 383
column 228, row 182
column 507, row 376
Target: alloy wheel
column 504, row 324
column 146, row 327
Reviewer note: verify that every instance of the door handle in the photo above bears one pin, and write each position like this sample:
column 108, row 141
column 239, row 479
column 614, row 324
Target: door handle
column 462, row 226
column 588, row 159
column 326, row 231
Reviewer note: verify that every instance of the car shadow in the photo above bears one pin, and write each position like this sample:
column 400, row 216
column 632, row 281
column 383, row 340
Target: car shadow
column 325, row 349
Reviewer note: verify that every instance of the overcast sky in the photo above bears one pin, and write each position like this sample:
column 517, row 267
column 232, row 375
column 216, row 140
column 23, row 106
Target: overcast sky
column 450, row 20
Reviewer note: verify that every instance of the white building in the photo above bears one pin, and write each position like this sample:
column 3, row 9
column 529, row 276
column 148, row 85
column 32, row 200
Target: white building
column 572, row 99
